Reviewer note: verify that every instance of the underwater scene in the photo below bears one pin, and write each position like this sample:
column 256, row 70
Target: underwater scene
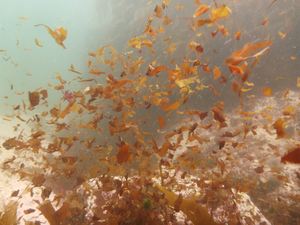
column 150, row 112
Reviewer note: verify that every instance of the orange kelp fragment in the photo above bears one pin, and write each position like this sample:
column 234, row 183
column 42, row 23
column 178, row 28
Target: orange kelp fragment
column 222, row 29
column 220, row 12
column 37, row 43
column 90, row 64
column 187, row 70
column 96, row 72
column 59, row 87
column 54, row 217
column 197, row 2
column 72, row 69
column 100, row 51
column 279, row 127
column 298, row 82
column 238, row 35
column 92, row 54
column 285, row 93
column 160, row 29
column 288, row 111
column 154, row 71
column 167, row 21
column 213, row 89
column 241, row 54
column 117, row 84
column 134, row 43
column 196, row 46
column 194, row 212
column 171, row 48
column 264, row 22
column 292, row 157
column 172, row 107
column 123, row 154
column 179, row 7
column 217, row 72
column 22, row 18
column 158, row 10
column 44, row 93
column 218, row 116
column 19, row 93
column 161, row 121
column 267, row 91
column 34, row 99
column 247, row 186
column 165, row 3
column 192, row 26
column 9, row 214
column 271, row 4
column 282, row 35
column 59, row 35
column 202, row 9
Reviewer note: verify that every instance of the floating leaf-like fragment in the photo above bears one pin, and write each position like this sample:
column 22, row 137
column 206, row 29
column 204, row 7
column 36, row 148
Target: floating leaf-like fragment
column 59, row 35
column 292, row 157
column 202, row 9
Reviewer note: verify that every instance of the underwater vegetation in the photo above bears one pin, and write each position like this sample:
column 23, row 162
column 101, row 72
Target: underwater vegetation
column 146, row 136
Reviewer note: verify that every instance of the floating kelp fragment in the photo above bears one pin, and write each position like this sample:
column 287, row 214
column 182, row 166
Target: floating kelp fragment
column 238, row 35
column 267, row 91
column 214, row 90
column 158, row 11
column 272, row 3
column 292, row 156
column 171, row 48
column 92, row 54
column 220, row 12
column 28, row 211
column 259, row 169
column 15, row 193
column 37, row 43
column 218, row 116
column 34, row 99
column 165, row 3
column 279, row 127
column 123, row 154
column 72, row 69
column 174, row 105
column 59, row 35
column 9, row 216
column 221, row 144
column 288, row 111
column 217, row 73
column 197, row 214
column 201, row 10
column 179, row 7
column 167, row 21
column 282, row 35
column 154, row 71
column 11, row 143
column 230, row 134
column 185, row 82
column 22, row 18
column 298, row 82
column 46, row 193
column 161, row 121
column 240, row 55
column 264, row 22
column 196, row 46
column 54, row 217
